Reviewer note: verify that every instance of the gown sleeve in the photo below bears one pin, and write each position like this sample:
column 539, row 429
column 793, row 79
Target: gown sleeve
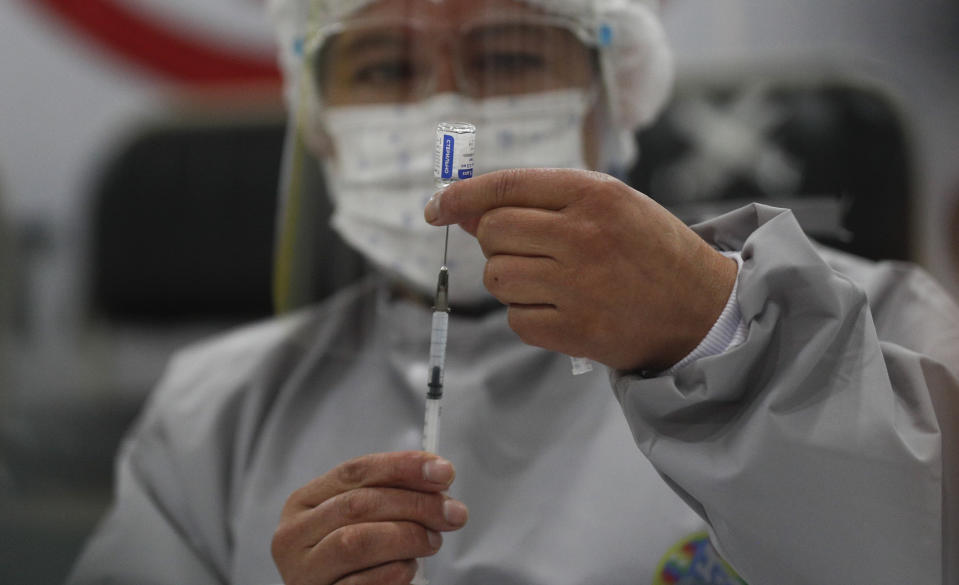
column 823, row 449
column 169, row 521
column 140, row 541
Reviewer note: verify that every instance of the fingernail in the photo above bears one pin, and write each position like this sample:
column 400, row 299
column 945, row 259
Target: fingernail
column 438, row 471
column 432, row 211
column 455, row 512
column 435, row 539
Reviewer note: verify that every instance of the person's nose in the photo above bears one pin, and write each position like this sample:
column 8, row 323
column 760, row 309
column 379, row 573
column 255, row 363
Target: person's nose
column 445, row 72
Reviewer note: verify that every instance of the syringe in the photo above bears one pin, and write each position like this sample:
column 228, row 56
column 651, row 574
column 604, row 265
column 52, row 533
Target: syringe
column 437, row 364
column 453, row 161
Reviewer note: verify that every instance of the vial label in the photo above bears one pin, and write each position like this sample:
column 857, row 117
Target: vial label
column 449, row 148
column 455, row 149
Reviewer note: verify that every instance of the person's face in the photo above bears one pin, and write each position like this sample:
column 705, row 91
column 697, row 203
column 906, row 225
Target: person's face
column 403, row 51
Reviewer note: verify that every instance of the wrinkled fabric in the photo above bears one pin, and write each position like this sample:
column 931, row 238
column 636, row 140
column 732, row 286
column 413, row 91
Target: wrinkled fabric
column 820, row 450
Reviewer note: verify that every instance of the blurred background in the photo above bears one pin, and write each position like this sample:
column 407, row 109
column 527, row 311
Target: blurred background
column 139, row 154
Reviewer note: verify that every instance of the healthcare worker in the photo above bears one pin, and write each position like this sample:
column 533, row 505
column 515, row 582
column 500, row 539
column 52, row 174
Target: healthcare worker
column 780, row 413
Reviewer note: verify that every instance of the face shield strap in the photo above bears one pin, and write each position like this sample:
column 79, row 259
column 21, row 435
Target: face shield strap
column 301, row 207
column 292, row 255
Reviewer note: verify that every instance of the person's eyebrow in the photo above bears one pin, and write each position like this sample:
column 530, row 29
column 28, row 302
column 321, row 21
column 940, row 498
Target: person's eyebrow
column 375, row 40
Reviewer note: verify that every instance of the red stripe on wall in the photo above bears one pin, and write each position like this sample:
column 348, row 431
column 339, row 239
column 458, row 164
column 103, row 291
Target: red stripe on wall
column 162, row 50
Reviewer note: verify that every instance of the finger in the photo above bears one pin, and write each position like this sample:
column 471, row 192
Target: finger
column 522, row 280
column 521, row 231
column 364, row 505
column 395, row 573
column 542, row 326
column 359, row 547
column 551, row 189
column 416, row 470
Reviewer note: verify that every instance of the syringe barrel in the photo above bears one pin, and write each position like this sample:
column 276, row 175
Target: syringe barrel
column 431, row 425
column 437, row 363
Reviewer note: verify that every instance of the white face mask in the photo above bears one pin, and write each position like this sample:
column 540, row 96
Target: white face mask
column 382, row 176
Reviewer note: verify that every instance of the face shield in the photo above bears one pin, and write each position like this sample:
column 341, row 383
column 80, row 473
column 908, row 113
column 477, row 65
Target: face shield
column 406, row 58
column 548, row 84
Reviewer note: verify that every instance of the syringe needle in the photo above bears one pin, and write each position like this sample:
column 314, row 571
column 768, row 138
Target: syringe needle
column 446, row 245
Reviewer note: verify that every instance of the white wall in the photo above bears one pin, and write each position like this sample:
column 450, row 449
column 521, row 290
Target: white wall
column 63, row 104
column 67, row 102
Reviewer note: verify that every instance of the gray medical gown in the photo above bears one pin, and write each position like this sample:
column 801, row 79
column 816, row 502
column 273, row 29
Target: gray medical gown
column 821, row 450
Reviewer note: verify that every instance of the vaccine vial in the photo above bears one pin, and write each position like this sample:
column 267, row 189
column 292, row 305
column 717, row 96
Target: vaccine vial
column 453, row 153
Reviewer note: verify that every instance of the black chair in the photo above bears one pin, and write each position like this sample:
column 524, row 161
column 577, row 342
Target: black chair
column 183, row 224
column 829, row 146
